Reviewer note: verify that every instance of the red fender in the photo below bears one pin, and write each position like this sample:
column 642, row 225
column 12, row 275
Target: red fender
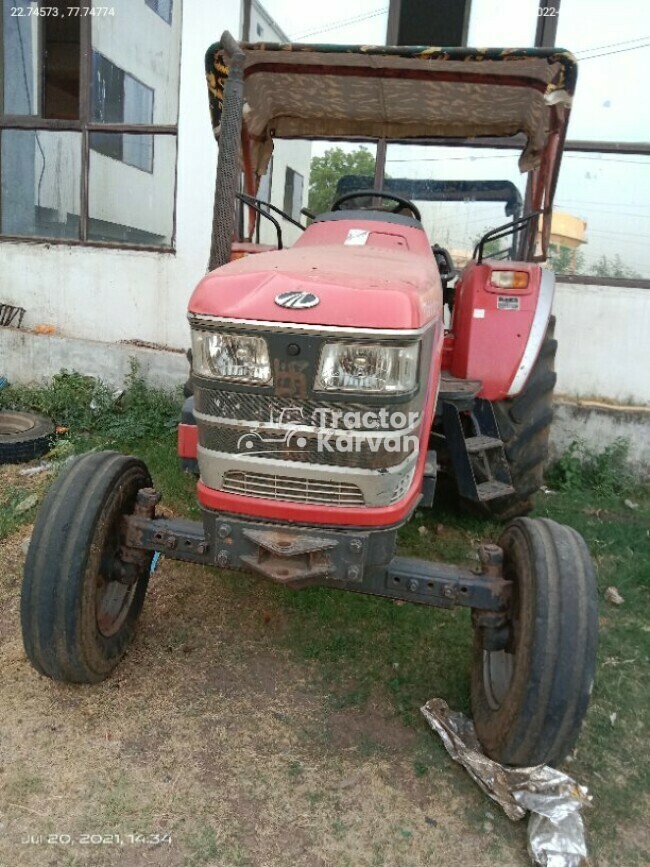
column 497, row 332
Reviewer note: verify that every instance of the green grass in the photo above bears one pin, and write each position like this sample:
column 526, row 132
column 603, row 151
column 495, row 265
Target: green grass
column 360, row 647
column 135, row 419
column 12, row 515
column 612, row 753
column 87, row 406
column 365, row 646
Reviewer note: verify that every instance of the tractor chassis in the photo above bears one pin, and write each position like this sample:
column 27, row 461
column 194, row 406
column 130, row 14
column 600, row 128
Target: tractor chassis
column 359, row 560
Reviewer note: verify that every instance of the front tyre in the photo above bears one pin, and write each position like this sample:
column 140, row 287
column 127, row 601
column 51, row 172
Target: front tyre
column 77, row 616
column 529, row 700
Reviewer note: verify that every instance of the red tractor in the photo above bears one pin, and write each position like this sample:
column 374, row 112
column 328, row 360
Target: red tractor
column 325, row 387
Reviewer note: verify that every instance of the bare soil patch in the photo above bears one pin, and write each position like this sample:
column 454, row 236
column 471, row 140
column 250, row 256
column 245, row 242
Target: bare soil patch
column 210, row 732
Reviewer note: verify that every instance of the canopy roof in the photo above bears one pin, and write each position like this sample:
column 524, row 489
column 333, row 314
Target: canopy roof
column 398, row 93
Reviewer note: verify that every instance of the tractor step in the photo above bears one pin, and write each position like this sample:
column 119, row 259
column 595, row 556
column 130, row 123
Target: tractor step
column 460, row 392
column 476, row 450
column 481, row 443
column 492, row 490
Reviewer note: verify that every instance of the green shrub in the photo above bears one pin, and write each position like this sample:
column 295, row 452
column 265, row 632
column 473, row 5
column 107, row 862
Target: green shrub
column 86, row 405
column 606, row 472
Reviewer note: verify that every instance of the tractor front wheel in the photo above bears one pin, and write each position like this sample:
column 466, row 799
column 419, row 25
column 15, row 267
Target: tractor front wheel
column 529, row 699
column 80, row 602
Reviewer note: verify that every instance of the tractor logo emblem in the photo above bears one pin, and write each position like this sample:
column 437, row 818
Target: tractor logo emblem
column 297, row 300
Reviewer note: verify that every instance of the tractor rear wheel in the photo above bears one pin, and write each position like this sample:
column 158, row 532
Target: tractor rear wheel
column 80, row 602
column 529, row 699
column 524, row 424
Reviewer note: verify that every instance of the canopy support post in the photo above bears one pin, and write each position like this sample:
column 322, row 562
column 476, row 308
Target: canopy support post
column 229, row 162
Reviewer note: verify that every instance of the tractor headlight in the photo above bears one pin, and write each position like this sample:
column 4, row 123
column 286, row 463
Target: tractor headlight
column 231, row 356
column 368, row 367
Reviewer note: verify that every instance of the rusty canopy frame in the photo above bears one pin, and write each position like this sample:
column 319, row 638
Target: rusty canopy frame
column 546, row 37
column 227, row 70
column 85, row 126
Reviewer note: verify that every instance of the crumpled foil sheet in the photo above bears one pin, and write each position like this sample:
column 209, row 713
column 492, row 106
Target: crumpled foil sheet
column 555, row 829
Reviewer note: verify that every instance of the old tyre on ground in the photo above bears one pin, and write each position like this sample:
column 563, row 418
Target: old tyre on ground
column 79, row 603
column 529, row 700
column 524, row 424
column 24, row 436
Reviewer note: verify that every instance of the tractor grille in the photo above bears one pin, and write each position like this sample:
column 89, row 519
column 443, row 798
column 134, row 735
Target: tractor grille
column 307, row 491
column 265, row 408
column 303, row 447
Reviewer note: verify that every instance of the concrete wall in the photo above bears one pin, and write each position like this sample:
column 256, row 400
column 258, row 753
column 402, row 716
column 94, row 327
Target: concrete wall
column 35, row 358
column 603, row 354
column 603, row 334
column 600, row 426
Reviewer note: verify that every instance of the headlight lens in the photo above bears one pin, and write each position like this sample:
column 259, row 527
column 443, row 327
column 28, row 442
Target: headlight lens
column 237, row 357
column 368, row 367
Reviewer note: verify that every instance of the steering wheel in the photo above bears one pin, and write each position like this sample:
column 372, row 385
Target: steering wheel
column 401, row 201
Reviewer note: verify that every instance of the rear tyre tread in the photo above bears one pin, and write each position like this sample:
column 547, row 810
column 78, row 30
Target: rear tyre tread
column 524, row 424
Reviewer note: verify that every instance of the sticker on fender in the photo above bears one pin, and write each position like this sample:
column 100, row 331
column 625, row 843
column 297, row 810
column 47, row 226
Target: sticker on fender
column 357, row 238
column 507, row 303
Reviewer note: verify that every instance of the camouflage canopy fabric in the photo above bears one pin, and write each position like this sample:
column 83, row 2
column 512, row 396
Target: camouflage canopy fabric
column 371, row 92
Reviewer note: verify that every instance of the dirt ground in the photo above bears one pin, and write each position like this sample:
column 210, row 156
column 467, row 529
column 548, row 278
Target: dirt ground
column 210, row 733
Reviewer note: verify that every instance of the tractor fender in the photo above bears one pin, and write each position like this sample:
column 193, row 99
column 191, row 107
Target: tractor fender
column 498, row 332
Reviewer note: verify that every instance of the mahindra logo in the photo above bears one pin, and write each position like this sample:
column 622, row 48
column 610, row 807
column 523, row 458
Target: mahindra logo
column 297, row 300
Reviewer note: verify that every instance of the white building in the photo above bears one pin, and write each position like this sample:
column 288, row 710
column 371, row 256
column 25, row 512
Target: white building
column 104, row 234
column 288, row 178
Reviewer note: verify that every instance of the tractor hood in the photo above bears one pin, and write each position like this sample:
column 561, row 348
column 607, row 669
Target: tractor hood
column 357, row 273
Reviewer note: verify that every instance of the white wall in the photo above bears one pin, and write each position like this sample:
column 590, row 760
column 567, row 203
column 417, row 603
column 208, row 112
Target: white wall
column 115, row 295
column 286, row 154
column 152, row 53
column 603, row 335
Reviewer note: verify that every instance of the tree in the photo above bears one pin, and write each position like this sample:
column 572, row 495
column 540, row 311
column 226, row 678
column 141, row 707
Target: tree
column 614, row 267
column 326, row 171
column 564, row 260
column 492, row 248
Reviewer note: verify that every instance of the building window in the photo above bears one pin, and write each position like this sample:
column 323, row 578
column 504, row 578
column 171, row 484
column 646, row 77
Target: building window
column 117, row 97
column 88, row 125
column 61, row 58
column 163, row 8
column 293, row 189
column 41, row 183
